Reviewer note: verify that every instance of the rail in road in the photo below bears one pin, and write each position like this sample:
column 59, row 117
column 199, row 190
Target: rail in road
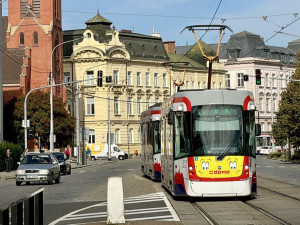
column 154, row 206
column 277, row 203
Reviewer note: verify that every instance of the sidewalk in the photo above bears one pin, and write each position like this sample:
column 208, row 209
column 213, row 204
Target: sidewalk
column 12, row 175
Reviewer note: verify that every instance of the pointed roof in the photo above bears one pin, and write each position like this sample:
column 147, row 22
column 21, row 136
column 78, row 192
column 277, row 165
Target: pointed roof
column 98, row 19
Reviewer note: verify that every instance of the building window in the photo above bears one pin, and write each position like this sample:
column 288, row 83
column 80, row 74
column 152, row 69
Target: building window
column 280, row 82
column 221, row 85
column 273, row 80
column 100, row 77
column 187, row 85
column 130, row 106
column 193, row 84
column 147, row 103
column 139, row 135
column 267, row 82
column 24, row 8
column 22, row 39
column 67, row 78
column 36, row 7
column 139, row 110
column 138, row 78
column 129, row 78
column 147, row 79
column 89, row 77
column 35, row 38
column 240, row 80
column 204, row 85
column 156, row 80
column 214, row 85
column 92, row 137
column 117, row 136
column 199, row 85
column 130, row 135
column 90, row 106
column 116, row 76
column 268, row 105
column 227, row 80
column 156, row 100
column 116, row 106
column 164, row 80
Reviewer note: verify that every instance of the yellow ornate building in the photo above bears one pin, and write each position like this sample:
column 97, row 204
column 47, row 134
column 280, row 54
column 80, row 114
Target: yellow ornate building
column 139, row 80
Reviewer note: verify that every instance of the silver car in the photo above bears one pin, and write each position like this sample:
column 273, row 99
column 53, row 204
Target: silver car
column 38, row 167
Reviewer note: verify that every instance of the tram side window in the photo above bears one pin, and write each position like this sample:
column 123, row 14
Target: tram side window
column 250, row 132
column 182, row 135
column 156, row 141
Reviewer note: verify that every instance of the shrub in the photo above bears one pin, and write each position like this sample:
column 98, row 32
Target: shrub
column 16, row 151
column 296, row 156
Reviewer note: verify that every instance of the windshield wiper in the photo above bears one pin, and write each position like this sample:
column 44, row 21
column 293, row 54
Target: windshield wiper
column 222, row 155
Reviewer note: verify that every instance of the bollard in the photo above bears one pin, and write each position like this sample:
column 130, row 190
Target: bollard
column 115, row 201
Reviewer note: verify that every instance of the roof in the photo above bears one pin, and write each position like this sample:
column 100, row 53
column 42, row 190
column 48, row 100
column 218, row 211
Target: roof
column 144, row 46
column 139, row 46
column 98, row 19
column 183, row 58
column 12, row 59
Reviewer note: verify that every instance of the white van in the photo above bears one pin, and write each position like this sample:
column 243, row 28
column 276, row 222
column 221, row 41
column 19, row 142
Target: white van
column 99, row 151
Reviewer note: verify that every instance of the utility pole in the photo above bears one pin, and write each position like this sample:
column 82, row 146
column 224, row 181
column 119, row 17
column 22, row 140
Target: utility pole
column 1, row 80
column 77, row 124
column 109, row 141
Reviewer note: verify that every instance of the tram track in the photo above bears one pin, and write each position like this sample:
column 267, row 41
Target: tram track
column 214, row 221
column 279, row 193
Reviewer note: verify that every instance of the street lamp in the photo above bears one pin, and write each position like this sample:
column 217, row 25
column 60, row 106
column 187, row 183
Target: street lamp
column 51, row 90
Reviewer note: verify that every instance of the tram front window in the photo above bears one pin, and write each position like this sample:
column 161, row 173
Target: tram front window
column 217, row 128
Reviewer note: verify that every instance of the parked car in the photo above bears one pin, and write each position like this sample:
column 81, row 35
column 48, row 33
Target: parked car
column 265, row 150
column 65, row 165
column 38, row 167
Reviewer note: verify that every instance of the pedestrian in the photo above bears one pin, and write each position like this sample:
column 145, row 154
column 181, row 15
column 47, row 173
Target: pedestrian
column 67, row 152
column 8, row 160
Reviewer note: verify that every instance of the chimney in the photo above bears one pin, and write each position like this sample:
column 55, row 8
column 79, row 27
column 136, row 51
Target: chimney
column 170, row 47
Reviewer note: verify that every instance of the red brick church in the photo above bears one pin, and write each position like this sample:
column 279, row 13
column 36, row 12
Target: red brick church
column 30, row 33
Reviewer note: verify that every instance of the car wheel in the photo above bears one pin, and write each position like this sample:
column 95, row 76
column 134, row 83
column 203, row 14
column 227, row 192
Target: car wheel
column 18, row 183
column 121, row 157
column 51, row 180
column 57, row 180
column 27, row 183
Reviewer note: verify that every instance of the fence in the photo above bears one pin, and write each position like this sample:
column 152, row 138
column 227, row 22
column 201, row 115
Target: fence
column 28, row 210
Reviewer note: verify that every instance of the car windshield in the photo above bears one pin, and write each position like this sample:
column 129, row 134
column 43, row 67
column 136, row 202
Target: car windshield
column 59, row 156
column 36, row 159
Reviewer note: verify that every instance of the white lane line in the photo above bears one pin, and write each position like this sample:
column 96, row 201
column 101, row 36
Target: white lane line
column 133, row 200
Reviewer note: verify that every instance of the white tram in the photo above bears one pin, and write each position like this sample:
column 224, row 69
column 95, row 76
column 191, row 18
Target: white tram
column 208, row 143
column 151, row 150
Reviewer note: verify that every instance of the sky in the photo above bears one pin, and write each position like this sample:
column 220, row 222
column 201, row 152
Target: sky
column 170, row 17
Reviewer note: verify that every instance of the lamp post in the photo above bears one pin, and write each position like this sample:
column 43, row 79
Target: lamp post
column 51, row 91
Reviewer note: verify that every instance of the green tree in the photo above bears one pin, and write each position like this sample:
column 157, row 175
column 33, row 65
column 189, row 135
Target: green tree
column 38, row 112
column 287, row 125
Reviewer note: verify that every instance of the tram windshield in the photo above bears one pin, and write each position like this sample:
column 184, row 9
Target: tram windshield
column 217, row 129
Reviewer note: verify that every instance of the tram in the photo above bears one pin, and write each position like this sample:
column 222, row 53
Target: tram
column 150, row 135
column 208, row 143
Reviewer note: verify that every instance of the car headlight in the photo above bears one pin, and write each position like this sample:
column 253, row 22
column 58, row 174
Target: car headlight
column 20, row 171
column 44, row 171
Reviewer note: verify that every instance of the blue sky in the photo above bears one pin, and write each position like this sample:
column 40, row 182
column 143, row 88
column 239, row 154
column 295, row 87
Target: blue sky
column 169, row 17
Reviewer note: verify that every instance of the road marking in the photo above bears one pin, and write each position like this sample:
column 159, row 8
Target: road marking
column 138, row 213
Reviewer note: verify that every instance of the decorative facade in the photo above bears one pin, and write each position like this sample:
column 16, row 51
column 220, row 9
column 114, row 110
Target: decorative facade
column 139, row 80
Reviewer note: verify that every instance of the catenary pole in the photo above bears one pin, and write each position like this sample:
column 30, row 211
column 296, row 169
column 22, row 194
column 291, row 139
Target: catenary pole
column 1, row 79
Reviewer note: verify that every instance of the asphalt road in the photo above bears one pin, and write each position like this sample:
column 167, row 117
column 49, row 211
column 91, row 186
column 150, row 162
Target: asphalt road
column 277, row 170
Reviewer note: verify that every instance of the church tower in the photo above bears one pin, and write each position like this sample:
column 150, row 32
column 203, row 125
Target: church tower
column 36, row 26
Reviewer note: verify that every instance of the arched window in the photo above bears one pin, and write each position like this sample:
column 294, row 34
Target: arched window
column 35, row 38
column 22, row 38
